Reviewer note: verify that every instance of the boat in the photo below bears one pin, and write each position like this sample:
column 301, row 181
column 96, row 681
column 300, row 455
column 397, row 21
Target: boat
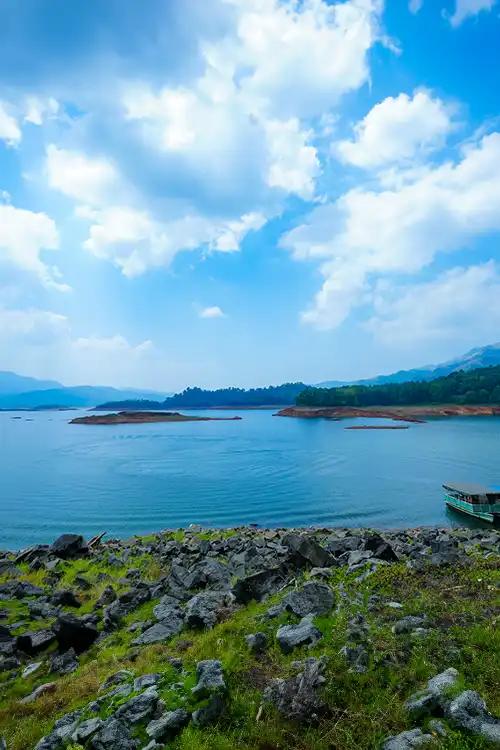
column 474, row 500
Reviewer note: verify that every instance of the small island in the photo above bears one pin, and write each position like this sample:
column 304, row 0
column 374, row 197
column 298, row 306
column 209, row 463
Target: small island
column 142, row 417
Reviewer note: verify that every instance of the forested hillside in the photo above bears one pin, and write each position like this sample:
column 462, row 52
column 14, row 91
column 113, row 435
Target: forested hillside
column 481, row 386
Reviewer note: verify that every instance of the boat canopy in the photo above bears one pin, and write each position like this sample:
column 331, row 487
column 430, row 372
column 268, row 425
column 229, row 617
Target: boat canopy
column 480, row 493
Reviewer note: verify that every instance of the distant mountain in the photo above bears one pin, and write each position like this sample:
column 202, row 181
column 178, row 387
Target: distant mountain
column 20, row 392
column 483, row 356
column 11, row 383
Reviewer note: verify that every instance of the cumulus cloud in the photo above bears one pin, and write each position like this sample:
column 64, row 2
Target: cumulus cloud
column 367, row 234
column 460, row 303
column 32, row 326
column 212, row 312
column 10, row 132
column 220, row 152
column 466, row 8
column 24, row 235
column 397, row 129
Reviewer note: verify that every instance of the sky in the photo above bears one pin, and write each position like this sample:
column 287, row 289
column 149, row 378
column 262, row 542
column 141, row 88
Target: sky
column 246, row 192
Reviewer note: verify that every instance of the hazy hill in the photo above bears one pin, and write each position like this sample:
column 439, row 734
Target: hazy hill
column 12, row 383
column 483, row 356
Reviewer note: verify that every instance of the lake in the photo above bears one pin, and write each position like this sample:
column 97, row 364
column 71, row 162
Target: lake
column 273, row 471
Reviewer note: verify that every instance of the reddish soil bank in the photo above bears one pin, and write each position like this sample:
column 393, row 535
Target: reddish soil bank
column 140, row 417
column 403, row 413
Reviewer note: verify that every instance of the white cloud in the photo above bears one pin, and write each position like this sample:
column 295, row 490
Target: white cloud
column 37, row 110
column 397, row 129
column 90, row 181
column 212, row 312
column 10, row 131
column 97, row 346
column 415, row 5
column 294, row 163
column 24, row 235
column 461, row 304
column 367, row 234
column 231, row 235
column 466, row 8
column 32, row 326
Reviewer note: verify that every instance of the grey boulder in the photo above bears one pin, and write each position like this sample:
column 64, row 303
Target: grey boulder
column 168, row 725
column 113, row 735
column 291, row 636
column 408, row 740
column 297, row 697
column 210, row 678
column 312, row 599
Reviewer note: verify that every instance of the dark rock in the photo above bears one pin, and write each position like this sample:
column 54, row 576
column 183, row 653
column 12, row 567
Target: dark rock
column 202, row 611
column 312, row 599
column 408, row 624
column 260, row 584
column 146, row 681
column 43, row 610
column 168, row 725
column 357, row 629
column 33, row 643
column 108, row 596
column 86, row 729
column 210, row 678
column 63, row 729
column 408, row 740
column 139, row 708
column 291, row 636
column 31, row 669
column 167, row 607
column 296, row 698
column 113, row 735
column 161, row 631
column 210, row 713
column 380, row 549
column 68, row 546
column 468, row 712
column 74, row 632
column 125, row 604
column 357, row 657
column 65, row 598
column 65, row 663
column 306, row 551
column 339, row 547
column 118, row 678
column 257, row 642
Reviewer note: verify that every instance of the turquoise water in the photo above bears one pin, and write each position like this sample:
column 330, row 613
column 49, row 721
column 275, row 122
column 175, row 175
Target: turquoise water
column 130, row 479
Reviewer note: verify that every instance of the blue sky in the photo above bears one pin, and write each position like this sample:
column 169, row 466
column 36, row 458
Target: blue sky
column 246, row 191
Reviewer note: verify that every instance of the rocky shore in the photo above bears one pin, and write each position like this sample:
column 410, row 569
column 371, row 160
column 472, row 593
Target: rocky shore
column 404, row 413
column 250, row 638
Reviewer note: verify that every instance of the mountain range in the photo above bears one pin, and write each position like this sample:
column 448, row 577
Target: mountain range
column 22, row 392
column 484, row 356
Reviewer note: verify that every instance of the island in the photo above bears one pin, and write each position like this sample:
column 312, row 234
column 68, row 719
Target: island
column 142, row 417
column 413, row 413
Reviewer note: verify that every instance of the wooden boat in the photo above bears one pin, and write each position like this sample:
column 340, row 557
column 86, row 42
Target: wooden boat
column 474, row 500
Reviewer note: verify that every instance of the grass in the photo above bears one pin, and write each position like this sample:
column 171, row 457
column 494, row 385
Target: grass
column 362, row 709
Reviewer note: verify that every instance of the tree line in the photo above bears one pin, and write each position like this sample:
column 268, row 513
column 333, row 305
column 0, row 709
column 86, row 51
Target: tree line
column 481, row 386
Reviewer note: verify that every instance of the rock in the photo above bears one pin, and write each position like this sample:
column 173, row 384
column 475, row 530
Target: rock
column 210, row 678
column 48, row 687
column 64, row 663
column 422, row 704
column 125, row 604
column 380, row 549
column 312, row 599
column 160, row 632
column 210, row 713
column 202, row 610
column 339, row 547
column 408, row 740
column 257, row 642
column 291, row 636
column 357, row 629
column 260, row 584
column 33, row 643
column 68, row 546
column 113, row 735
column 168, row 725
column 306, row 551
column 138, row 708
column 468, row 711
column 44, row 610
column 63, row 728
column 31, row 669
column 146, row 680
column 296, row 698
column 443, row 681
column 357, row 657
column 108, row 596
column 83, row 732
column 437, row 727
column 74, row 632
column 407, row 624
column 65, row 598
column 118, row 678
column 166, row 608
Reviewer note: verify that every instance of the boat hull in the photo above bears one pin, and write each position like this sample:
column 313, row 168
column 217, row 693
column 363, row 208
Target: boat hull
column 468, row 509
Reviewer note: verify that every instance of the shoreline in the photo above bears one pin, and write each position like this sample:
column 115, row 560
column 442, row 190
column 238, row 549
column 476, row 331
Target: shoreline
column 414, row 414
